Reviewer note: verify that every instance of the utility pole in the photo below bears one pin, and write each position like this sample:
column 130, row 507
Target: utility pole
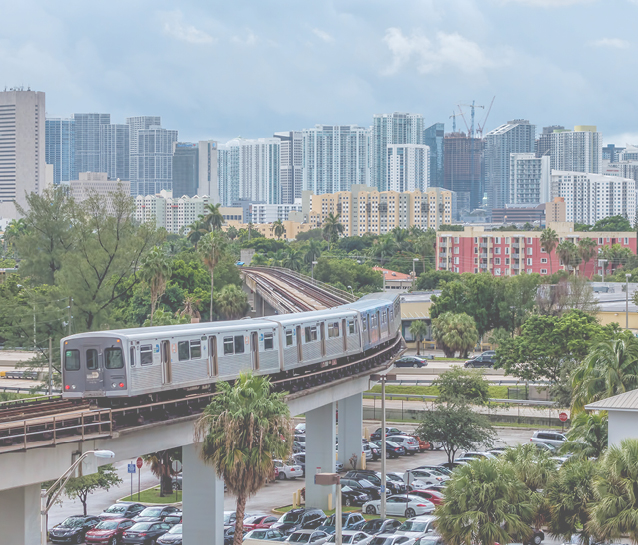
column 382, row 507
column 50, row 366
column 70, row 313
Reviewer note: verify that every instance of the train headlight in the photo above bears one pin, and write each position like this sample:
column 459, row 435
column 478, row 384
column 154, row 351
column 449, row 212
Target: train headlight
column 114, row 385
column 73, row 387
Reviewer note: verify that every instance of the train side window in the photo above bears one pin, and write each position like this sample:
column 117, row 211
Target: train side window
column 351, row 326
column 114, row 358
column 333, row 329
column 183, row 353
column 239, row 344
column 132, row 356
column 91, row 359
column 363, row 321
column 228, row 346
column 288, row 337
column 268, row 341
column 196, row 350
column 311, row 334
column 72, row 360
column 146, row 354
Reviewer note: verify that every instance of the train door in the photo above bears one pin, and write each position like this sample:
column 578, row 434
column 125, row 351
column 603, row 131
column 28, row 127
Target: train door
column 167, row 369
column 213, row 366
column 369, row 319
column 378, row 337
column 322, row 332
column 254, row 348
column 94, row 369
column 344, row 333
column 299, row 345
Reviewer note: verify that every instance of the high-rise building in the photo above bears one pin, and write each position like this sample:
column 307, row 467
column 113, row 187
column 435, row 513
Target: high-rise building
column 408, row 167
column 463, row 171
column 580, row 150
column 433, row 137
column 290, row 165
column 208, row 167
column 60, row 148
column 530, row 178
column 136, row 124
column 622, row 169
column 630, row 153
column 228, row 174
column 22, row 148
column 115, row 151
column 87, row 142
column 98, row 183
column 335, row 157
column 611, row 153
column 517, row 136
column 544, row 142
column 269, row 213
column 185, row 169
column 395, row 128
column 591, row 197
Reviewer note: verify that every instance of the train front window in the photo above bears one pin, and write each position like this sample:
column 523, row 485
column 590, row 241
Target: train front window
column 146, row 354
column 182, row 351
column 114, row 358
column 239, row 344
column 196, row 350
column 72, row 360
column 91, row 359
column 351, row 326
column 288, row 337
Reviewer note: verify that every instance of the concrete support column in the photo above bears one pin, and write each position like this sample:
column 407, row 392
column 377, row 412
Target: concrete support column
column 203, row 500
column 350, row 429
column 20, row 515
column 320, row 453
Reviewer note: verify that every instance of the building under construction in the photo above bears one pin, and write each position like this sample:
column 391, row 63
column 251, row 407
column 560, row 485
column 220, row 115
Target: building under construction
column 463, row 174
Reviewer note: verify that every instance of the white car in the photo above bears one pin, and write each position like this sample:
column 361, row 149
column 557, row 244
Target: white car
column 473, row 454
column 300, row 428
column 417, row 526
column 390, row 539
column 316, row 537
column 549, row 437
column 351, row 536
column 410, row 444
column 400, row 506
column 420, row 478
column 288, row 470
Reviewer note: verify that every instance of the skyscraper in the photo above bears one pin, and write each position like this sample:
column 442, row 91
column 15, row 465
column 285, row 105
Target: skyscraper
column 115, row 151
column 335, row 157
column 530, row 178
column 87, row 142
column 290, row 165
column 517, row 136
column 463, row 171
column 208, row 184
column 60, row 148
column 22, row 148
column 544, row 142
column 408, row 167
column 395, row 128
column 580, row 150
column 185, row 169
column 433, row 137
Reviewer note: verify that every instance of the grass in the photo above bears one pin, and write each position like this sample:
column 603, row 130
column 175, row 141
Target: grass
column 151, row 495
column 497, row 392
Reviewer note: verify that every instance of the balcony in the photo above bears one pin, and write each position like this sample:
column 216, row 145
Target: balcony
column 483, row 266
column 515, row 266
column 483, row 245
column 516, row 245
column 483, row 254
column 442, row 244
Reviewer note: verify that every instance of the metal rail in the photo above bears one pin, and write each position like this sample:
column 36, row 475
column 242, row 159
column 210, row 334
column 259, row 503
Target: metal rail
column 417, row 397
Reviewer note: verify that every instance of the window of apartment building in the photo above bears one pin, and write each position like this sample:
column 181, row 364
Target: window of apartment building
column 607, row 239
column 529, row 240
column 507, row 251
column 543, row 250
column 456, row 269
column 529, row 260
column 507, row 261
column 529, row 251
column 475, row 240
column 507, row 240
column 497, row 272
column 456, row 240
column 476, row 261
column 529, row 271
column 600, row 240
column 456, row 249
column 626, row 240
column 497, row 261
column 497, row 240
column 543, row 260
column 497, row 251
column 476, row 250
column 456, row 260
column 543, row 271
column 475, row 270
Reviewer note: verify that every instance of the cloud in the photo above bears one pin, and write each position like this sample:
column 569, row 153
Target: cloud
column 174, row 26
column 611, row 42
column 549, row 3
column 623, row 139
column 323, row 35
column 447, row 50
column 249, row 39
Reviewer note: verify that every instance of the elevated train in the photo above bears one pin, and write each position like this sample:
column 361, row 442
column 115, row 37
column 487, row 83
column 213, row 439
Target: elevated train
column 125, row 366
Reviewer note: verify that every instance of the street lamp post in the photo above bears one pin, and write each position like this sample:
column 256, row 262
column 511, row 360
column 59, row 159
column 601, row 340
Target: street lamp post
column 414, row 260
column 382, row 507
column 312, row 270
column 627, row 276
column 603, row 263
column 60, row 484
column 351, row 291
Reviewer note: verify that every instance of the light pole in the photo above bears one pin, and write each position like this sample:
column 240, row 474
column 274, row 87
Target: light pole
column 351, row 291
column 414, row 260
column 312, row 270
column 384, row 273
column 603, row 262
column 382, row 507
column 44, row 508
column 627, row 276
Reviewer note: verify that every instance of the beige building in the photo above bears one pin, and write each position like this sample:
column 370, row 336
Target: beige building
column 555, row 210
column 98, row 183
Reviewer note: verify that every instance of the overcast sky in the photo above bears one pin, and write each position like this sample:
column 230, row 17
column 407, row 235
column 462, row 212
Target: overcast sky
column 224, row 69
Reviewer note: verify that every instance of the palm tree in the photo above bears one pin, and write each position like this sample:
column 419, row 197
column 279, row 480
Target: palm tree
column 418, row 329
column 588, row 435
column 455, row 332
column 197, row 230
column 549, row 240
column 155, row 272
column 243, row 430
column 586, row 250
column 424, row 246
column 313, row 251
column 610, row 368
column 211, row 249
column 160, row 465
column 534, row 468
column 614, row 513
column 385, row 248
column 401, row 238
column 232, row 232
column 277, row 257
column 213, row 217
column 568, row 253
column 191, row 304
column 14, row 231
column 332, row 228
column 259, row 260
column 278, row 228
column 485, row 503
column 293, row 259
column 232, row 302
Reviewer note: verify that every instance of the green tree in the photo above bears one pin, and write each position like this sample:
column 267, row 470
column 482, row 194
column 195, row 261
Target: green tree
column 156, row 272
column 462, row 385
column 232, row 303
column 293, row 259
column 568, row 253
column 418, row 329
column 549, row 241
column 161, row 465
column 313, row 251
column 424, row 247
column 278, row 229
column 332, row 228
column 163, row 317
column 196, row 231
column 588, row 435
column 211, row 249
column 213, row 217
column 432, row 280
column 610, row 368
column 80, row 487
column 533, row 467
column 613, row 223
column 455, row 332
column 13, row 232
column 232, row 233
column 385, row 248
column 259, row 260
column 243, row 430
column 485, row 503
column 587, row 250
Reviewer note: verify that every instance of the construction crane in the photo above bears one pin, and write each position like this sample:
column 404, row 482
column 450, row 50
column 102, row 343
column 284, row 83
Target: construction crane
column 473, row 106
column 479, row 130
column 453, row 118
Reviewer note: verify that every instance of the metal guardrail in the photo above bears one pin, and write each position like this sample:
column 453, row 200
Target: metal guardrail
column 418, row 397
column 501, row 382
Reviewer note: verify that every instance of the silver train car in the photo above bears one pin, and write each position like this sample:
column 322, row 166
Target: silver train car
column 157, row 362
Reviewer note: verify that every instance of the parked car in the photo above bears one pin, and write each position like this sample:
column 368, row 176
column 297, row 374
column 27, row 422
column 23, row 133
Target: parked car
column 476, row 454
column 395, row 483
column 229, row 519
column 393, row 450
column 400, row 506
column 420, row 478
column 73, row 529
column 371, row 450
column 172, row 537
column 122, row 510
column 348, row 520
column 392, row 481
column 144, row 533
column 317, row 537
column 300, row 428
column 376, row 435
column 424, row 445
column 157, row 513
column 549, row 438
column 452, row 465
column 298, row 447
column 296, row 519
column 411, row 361
column 300, row 460
column 174, row 518
column 434, row 496
column 429, row 539
column 390, row 539
column 436, row 487
column 350, row 536
column 288, row 470
column 265, row 533
column 440, row 469
column 417, row 526
column 259, row 521
column 108, row 531
column 378, row 526
column 363, row 486
column 537, row 537
column 350, row 496
column 551, row 449
column 410, row 444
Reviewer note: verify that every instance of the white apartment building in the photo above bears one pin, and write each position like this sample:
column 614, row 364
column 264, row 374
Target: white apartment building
column 408, row 167
column 98, row 183
column 591, row 197
column 269, row 213
column 530, row 178
column 622, row 169
column 290, row 165
column 170, row 213
column 580, row 150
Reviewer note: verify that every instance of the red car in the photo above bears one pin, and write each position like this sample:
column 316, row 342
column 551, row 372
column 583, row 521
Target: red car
column 258, row 522
column 109, row 531
column 434, row 496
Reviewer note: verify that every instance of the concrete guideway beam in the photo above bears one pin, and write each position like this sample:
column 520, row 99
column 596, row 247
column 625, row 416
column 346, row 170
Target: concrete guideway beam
column 20, row 516
column 350, row 430
column 320, row 453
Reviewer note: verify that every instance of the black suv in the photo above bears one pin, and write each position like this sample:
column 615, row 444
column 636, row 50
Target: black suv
column 388, row 431
column 377, row 526
column 73, row 529
column 122, row 510
column 394, row 486
column 300, row 519
column 363, row 485
column 486, row 359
